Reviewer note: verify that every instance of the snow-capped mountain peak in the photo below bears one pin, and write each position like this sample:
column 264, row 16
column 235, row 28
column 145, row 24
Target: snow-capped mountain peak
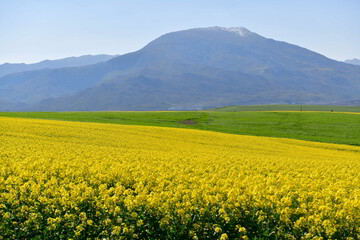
column 241, row 31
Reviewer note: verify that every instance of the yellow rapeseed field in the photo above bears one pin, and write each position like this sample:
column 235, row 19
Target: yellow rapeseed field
column 72, row 180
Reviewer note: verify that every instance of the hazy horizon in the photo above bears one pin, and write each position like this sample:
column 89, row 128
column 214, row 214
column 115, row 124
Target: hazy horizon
column 39, row 30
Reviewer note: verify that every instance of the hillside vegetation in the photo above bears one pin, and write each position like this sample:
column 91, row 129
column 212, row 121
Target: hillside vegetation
column 329, row 127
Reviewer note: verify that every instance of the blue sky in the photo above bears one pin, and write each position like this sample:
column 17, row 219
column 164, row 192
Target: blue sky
column 34, row 30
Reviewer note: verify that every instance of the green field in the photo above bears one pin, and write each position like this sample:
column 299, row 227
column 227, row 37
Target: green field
column 329, row 127
column 322, row 108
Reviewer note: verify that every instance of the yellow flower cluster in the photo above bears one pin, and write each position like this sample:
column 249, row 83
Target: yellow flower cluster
column 69, row 180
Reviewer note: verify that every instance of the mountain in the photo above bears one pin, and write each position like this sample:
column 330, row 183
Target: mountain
column 191, row 69
column 354, row 61
column 348, row 103
column 8, row 68
column 10, row 106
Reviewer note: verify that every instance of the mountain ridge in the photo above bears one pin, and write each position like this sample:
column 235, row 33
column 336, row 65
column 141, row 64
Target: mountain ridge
column 353, row 61
column 10, row 68
column 195, row 69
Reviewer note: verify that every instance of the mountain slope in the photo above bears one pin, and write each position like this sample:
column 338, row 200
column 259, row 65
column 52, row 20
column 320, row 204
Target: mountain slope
column 354, row 61
column 192, row 69
column 35, row 86
column 8, row 68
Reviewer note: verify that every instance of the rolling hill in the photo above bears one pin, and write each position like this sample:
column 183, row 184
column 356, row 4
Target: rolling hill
column 191, row 69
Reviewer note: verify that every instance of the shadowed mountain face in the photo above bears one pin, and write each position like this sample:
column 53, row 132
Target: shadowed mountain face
column 191, row 69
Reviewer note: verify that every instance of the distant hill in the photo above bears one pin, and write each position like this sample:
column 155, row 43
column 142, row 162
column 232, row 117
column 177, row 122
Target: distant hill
column 354, row 61
column 8, row 68
column 191, row 69
column 355, row 102
column 10, row 106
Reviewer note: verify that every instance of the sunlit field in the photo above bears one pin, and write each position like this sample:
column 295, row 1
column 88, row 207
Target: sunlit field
column 329, row 127
column 73, row 180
